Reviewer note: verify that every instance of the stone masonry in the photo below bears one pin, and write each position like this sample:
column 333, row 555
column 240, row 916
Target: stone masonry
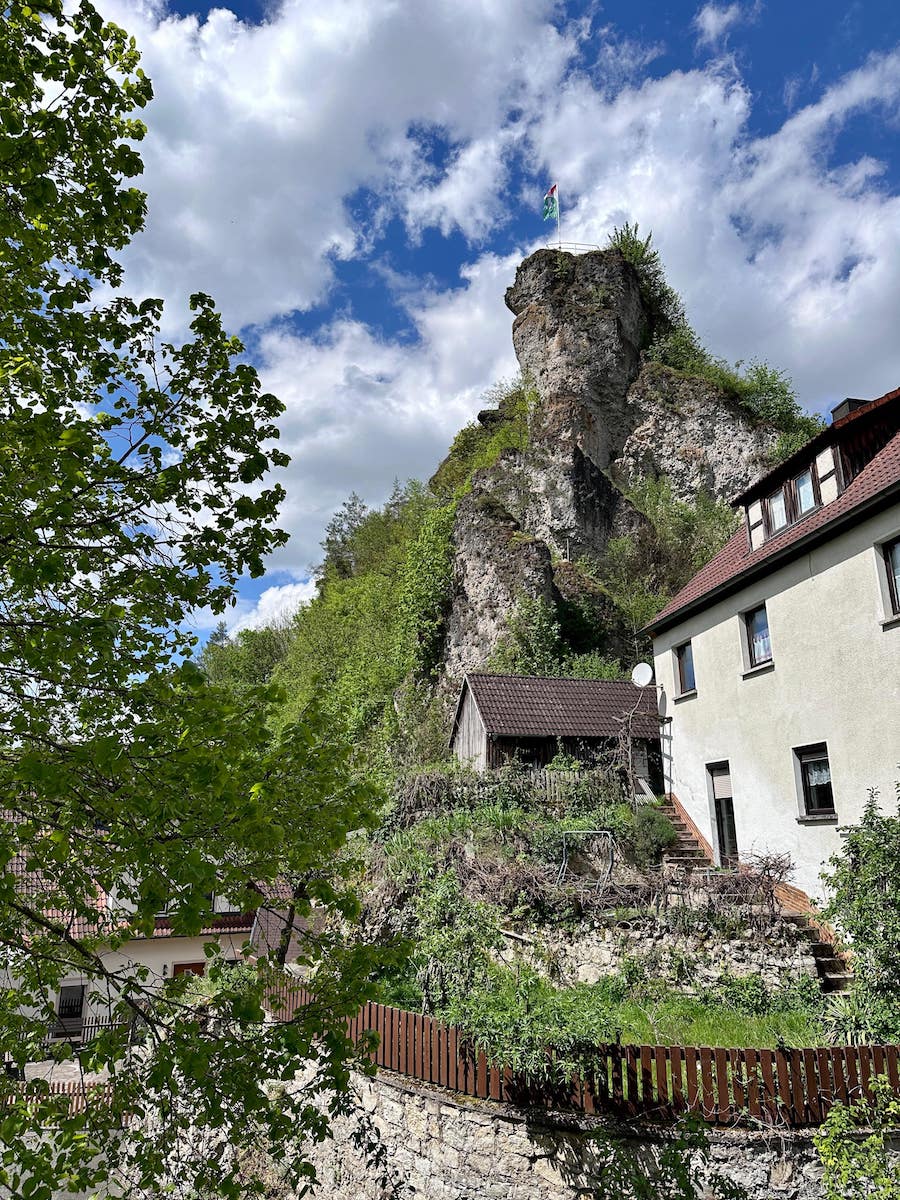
column 442, row 1147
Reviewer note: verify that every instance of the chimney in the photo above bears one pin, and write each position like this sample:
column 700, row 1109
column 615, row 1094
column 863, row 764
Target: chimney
column 846, row 407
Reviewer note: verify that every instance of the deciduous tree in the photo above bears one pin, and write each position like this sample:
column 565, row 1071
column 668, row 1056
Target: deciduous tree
column 133, row 492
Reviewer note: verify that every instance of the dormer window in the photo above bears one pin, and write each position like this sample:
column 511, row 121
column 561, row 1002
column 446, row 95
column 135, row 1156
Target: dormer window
column 784, row 507
column 805, row 491
column 776, row 507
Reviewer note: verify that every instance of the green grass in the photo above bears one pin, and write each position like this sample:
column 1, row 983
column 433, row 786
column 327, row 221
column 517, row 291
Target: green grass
column 514, row 1015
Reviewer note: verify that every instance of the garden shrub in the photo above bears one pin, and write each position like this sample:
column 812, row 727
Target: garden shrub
column 648, row 833
column 864, row 886
column 855, row 1147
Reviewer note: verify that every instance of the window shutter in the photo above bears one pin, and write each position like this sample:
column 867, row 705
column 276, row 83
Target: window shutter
column 721, row 781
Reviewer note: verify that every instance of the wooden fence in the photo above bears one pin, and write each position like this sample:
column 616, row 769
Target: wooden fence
column 723, row 1086
column 80, row 1095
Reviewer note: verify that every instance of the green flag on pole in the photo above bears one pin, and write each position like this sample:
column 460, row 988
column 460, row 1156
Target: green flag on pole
column 551, row 204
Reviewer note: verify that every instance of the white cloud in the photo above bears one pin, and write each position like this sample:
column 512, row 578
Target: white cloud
column 714, row 22
column 259, row 135
column 275, row 606
column 778, row 254
column 362, row 412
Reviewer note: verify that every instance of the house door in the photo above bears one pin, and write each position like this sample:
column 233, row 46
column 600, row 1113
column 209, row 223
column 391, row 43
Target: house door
column 726, row 835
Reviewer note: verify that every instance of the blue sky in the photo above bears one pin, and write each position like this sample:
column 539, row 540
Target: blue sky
column 354, row 184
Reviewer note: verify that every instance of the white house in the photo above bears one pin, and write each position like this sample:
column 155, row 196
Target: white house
column 81, row 1004
column 779, row 662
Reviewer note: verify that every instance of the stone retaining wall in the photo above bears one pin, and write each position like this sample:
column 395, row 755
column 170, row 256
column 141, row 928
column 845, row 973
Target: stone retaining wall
column 438, row 1146
column 700, row 956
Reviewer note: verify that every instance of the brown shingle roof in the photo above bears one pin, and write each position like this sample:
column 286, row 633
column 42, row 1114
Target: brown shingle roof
column 865, row 415
column 537, row 706
column 736, row 564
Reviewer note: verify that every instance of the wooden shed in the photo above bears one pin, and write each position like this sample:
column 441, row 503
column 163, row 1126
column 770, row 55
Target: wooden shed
column 529, row 717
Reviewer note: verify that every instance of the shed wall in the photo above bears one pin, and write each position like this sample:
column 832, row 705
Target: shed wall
column 470, row 743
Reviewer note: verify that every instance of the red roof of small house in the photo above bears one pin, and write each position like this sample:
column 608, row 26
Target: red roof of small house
column 541, row 706
column 736, row 564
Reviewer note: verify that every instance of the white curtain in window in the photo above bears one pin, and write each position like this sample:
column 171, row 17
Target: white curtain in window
column 777, row 510
column 760, row 643
column 805, row 494
column 818, row 772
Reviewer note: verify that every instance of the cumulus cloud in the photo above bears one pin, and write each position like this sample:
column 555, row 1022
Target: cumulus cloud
column 261, row 135
column 363, row 411
column 779, row 253
column 262, row 139
column 275, row 606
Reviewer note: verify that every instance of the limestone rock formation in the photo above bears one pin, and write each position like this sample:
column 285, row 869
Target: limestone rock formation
column 494, row 563
column 687, row 430
column 605, row 421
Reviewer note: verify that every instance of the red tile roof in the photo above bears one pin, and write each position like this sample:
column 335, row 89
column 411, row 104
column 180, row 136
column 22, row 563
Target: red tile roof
column 538, row 706
column 736, row 563
column 221, row 923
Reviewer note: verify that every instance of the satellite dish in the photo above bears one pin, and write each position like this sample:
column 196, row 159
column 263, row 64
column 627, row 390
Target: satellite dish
column 642, row 675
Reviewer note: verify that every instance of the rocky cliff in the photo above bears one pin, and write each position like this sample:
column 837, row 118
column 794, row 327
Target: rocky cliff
column 606, row 419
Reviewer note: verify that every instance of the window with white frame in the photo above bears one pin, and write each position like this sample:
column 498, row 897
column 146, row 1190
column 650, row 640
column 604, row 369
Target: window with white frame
column 759, row 643
column 776, row 511
column 805, row 492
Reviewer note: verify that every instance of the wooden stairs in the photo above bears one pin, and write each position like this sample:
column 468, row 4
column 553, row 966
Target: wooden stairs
column 691, row 851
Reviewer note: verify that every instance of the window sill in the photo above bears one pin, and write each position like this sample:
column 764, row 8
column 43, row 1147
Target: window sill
column 818, row 819
column 686, row 696
column 762, row 669
column 891, row 622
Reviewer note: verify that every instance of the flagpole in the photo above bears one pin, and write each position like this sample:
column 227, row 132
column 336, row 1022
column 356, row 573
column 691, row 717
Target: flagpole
column 558, row 230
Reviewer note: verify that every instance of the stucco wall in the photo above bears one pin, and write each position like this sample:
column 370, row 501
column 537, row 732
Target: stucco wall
column 835, row 678
column 160, row 955
column 438, row 1147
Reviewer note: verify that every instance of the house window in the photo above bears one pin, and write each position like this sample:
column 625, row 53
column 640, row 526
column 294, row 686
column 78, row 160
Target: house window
column 805, row 491
column 684, row 660
column 892, row 562
column 759, row 644
column 815, row 780
column 776, row 507
column 71, row 1001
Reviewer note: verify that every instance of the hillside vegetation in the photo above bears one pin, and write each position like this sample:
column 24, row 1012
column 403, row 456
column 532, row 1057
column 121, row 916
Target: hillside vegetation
column 478, row 872
column 369, row 646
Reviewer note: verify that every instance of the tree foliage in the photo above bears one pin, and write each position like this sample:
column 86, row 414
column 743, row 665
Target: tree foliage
column 854, row 1146
column 764, row 392
column 864, row 886
column 133, row 491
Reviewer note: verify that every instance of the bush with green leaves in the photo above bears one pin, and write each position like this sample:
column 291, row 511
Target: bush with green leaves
column 648, row 834
column 864, row 886
column 479, row 445
column 766, row 393
column 856, row 1147
column 641, row 571
column 665, row 306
